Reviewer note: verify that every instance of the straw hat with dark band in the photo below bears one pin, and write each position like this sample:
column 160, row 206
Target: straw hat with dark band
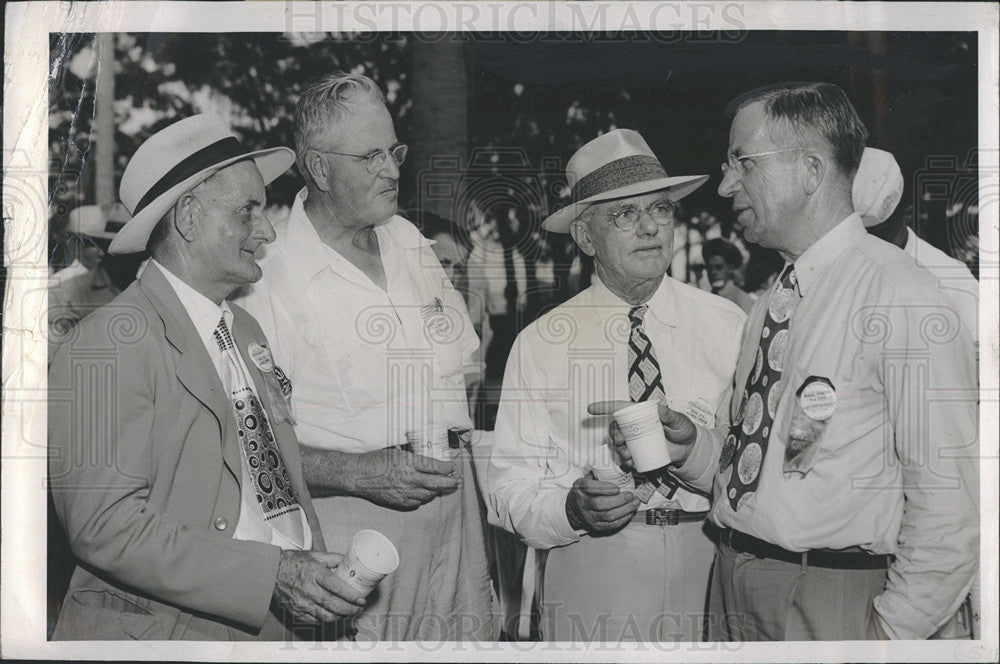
column 616, row 165
column 174, row 160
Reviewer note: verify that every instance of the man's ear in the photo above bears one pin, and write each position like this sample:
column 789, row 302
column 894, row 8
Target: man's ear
column 580, row 231
column 186, row 216
column 816, row 167
column 317, row 169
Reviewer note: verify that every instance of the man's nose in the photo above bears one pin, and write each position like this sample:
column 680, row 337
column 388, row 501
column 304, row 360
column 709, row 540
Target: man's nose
column 646, row 224
column 390, row 169
column 727, row 188
column 264, row 229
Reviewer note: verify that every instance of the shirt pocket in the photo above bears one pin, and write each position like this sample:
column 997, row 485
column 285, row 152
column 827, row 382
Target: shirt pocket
column 809, row 434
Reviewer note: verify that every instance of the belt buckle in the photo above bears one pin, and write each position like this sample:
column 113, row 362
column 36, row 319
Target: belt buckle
column 661, row 516
column 727, row 538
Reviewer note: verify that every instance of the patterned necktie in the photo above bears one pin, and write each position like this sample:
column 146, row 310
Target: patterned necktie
column 265, row 464
column 644, row 384
column 745, row 447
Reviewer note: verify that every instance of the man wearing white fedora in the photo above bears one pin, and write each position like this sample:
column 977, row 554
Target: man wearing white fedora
column 623, row 563
column 173, row 465
column 75, row 293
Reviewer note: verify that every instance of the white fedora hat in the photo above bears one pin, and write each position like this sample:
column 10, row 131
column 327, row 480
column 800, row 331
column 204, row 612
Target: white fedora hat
column 95, row 222
column 175, row 159
column 878, row 186
column 615, row 165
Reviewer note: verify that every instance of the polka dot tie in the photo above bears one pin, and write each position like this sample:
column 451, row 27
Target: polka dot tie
column 265, row 465
column 745, row 446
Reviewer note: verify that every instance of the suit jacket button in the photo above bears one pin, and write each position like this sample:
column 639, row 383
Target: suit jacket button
column 221, row 524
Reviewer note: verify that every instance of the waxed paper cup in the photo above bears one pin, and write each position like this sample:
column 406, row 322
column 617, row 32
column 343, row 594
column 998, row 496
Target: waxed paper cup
column 603, row 466
column 371, row 557
column 640, row 424
column 431, row 442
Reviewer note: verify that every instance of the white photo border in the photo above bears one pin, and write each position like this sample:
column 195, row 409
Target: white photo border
column 25, row 183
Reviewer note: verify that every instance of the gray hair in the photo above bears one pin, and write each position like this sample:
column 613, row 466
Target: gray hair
column 325, row 102
column 822, row 108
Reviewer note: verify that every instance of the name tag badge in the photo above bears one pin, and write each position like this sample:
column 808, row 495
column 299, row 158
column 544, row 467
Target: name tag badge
column 261, row 356
column 700, row 412
column 815, row 402
column 436, row 322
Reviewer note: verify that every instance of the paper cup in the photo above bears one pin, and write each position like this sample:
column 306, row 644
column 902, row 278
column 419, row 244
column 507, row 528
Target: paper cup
column 370, row 558
column 604, row 468
column 432, row 442
column 640, row 424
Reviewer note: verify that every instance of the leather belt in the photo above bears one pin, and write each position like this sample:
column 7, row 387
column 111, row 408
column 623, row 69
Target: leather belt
column 743, row 543
column 661, row 516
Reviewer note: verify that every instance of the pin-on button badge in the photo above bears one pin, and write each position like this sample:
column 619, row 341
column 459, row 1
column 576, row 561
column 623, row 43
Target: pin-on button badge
column 818, row 398
column 261, row 356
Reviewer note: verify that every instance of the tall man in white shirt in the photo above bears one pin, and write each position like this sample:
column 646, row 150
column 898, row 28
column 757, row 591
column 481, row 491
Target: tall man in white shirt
column 846, row 493
column 173, row 466
column 375, row 340
column 617, row 568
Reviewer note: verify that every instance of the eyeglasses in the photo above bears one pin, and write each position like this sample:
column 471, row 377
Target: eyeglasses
column 736, row 163
column 376, row 158
column 627, row 218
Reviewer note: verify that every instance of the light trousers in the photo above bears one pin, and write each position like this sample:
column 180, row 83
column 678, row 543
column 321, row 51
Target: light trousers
column 644, row 583
column 441, row 590
column 762, row 599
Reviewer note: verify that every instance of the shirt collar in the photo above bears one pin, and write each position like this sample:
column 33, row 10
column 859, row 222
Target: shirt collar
column 303, row 242
column 661, row 304
column 204, row 313
column 313, row 256
column 839, row 239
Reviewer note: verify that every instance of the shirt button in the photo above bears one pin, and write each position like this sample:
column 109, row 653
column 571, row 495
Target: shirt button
column 221, row 524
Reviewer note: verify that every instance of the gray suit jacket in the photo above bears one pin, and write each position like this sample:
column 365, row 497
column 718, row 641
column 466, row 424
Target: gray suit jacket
column 145, row 471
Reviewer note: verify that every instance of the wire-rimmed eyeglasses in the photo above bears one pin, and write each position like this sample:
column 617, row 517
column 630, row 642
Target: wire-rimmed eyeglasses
column 375, row 159
column 736, row 163
column 627, row 218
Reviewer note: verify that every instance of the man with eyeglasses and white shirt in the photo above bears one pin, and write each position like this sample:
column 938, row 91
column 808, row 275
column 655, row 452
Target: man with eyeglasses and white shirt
column 375, row 339
column 625, row 562
column 845, row 495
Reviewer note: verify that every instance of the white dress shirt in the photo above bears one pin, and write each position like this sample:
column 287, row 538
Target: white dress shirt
column 205, row 316
column 895, row 471
column 956, row 281
column 578, row 354
column 366, row 364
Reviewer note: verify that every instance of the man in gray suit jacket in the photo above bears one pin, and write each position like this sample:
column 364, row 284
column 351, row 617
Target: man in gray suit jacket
column 173, row 466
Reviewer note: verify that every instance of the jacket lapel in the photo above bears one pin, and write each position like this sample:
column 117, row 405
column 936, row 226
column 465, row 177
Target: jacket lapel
column 195, row 369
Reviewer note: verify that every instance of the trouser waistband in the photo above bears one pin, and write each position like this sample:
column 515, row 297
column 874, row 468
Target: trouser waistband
column 743, row 543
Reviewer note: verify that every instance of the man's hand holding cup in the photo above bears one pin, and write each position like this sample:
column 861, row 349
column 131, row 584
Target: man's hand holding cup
column 679, row 430
column 600, row 508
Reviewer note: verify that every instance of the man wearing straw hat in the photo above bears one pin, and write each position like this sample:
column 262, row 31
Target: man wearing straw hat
column 629, row 563
column 173, row 465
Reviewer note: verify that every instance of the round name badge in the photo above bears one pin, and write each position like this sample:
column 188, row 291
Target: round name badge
column 818, row 398
column 261, row 356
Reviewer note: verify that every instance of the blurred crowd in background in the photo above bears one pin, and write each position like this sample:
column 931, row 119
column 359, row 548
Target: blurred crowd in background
column 482, row 192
